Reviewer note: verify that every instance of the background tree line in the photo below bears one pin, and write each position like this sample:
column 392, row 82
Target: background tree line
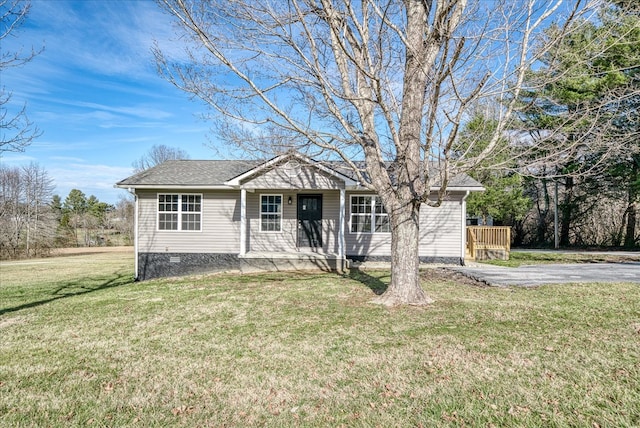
column 34, row 220
column 585, row 91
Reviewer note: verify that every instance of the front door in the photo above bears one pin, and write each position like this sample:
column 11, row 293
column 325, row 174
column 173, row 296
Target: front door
column 310, row 221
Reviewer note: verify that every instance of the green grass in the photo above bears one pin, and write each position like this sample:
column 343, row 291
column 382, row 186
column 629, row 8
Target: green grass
column 83, row 345
column 520, row 258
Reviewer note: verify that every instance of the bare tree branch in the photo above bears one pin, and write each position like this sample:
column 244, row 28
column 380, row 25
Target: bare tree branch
column 16, row 130
column 382, row 85
column 157, row 154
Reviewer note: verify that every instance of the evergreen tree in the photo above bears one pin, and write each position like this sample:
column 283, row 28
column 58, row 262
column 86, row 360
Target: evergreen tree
column 75, row 207
column 503, row 200
column 591, row 98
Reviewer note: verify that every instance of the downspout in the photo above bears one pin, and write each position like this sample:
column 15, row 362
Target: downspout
column 135, row 232
column 463, row 229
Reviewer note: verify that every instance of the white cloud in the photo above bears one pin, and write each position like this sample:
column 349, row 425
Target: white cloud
column 16, row 158
column 141, row 111
column 91, row 179
column 101, row 38
column 67, row 159
column 108, row 37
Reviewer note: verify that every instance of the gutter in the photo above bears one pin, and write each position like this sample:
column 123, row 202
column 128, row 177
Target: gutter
column 174, row 186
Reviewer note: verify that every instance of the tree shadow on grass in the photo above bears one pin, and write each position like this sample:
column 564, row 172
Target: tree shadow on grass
column 75, row 288
column 375, row 283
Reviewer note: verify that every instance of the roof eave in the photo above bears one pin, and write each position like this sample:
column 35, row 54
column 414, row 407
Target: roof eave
column 460, row 188
column 174, row 186
column 432, row 189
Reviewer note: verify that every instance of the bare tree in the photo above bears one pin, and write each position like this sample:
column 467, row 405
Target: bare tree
column 16, row 130
column 385, row 81
column 158, row 154
column 27, row 222
column 122, row 218
column 12, row 217
column 41, row 223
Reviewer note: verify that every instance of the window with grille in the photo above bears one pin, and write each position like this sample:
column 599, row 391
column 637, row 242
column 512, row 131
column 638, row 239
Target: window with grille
column 270, row 213
column 179, row 212
column 368, row 215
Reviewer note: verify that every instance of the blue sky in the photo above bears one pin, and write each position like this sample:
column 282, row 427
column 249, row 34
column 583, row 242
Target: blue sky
column 95, row 94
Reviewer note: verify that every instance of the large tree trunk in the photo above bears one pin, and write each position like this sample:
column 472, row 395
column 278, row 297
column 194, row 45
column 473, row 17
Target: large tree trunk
column 405, row 288
column 403, row 202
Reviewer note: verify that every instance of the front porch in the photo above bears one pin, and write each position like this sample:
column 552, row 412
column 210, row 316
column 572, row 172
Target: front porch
column 280, row 223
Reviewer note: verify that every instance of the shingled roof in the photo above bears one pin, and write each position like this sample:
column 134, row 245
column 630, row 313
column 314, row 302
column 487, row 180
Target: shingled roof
column 213, row 173
column 190, row 173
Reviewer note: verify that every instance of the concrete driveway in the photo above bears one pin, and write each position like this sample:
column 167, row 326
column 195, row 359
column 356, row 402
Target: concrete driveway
column 533, row 275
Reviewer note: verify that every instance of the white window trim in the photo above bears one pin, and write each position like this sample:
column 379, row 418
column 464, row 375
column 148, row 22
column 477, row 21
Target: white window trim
column 179, row 212
column 373, row 215
column 260, row 212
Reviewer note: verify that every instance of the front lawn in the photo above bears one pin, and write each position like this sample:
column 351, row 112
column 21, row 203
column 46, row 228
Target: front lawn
column 89, row 347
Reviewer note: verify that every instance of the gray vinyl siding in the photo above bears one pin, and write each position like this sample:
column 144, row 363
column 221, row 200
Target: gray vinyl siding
column 286, row 239
column 220, row 224
column 441, row 228
column 303, row 177
column 440, row 232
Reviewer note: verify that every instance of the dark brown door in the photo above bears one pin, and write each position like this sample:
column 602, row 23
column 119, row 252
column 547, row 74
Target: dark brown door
column 310, row 221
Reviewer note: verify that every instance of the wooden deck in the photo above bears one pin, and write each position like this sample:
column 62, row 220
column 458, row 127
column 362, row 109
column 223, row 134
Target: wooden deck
column 488, row 242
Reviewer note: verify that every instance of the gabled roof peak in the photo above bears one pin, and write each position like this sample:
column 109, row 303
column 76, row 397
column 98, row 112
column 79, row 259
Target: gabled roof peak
column 281, row 159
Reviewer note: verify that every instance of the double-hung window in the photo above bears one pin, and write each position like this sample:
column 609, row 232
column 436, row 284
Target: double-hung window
column 179, row 212
column 270, row 213
column 368, row 215
column 191, row 212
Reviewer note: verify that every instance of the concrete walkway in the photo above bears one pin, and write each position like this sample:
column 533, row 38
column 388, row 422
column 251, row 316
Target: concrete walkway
column 534, row 275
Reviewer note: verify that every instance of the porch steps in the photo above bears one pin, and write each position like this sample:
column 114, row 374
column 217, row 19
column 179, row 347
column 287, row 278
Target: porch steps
column 255, row 261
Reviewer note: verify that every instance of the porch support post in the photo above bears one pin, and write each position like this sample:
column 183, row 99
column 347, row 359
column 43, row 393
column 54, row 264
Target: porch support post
column 243, row 222
column 341, row 243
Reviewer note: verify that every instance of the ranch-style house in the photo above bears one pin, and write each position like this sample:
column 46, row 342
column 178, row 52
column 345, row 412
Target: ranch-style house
column 199, row 216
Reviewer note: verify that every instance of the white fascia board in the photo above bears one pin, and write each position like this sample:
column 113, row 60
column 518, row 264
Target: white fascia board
column 174, row 186
column 235, row 182
column 347, row 181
